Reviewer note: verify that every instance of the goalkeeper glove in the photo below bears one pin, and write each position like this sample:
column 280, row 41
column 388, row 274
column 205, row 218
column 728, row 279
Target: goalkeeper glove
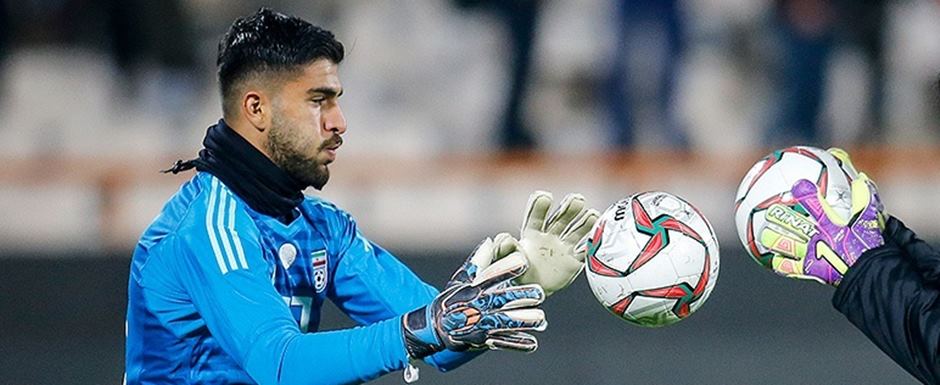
column 823, row 246
column 479, row 308
column 554, row 243
column 844, row 161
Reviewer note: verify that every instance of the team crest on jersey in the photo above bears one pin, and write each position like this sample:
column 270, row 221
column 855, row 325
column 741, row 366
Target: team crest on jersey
column 318, row 259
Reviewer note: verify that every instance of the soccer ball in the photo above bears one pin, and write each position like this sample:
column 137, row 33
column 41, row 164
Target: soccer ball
column 769, row 182
column 652, row 259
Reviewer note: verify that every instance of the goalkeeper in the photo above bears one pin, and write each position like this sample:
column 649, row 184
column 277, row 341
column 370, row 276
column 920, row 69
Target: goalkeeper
column 887, row 280
column 227, row 283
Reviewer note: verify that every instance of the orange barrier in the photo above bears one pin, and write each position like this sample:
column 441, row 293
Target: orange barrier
column 118, row 197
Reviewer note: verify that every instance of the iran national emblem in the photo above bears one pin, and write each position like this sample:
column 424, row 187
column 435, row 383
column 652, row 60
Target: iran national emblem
column 320, row 275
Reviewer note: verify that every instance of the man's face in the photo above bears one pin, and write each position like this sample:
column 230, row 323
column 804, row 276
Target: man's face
column 307, row 123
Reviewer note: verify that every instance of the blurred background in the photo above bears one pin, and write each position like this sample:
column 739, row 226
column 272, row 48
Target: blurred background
column 457, row 110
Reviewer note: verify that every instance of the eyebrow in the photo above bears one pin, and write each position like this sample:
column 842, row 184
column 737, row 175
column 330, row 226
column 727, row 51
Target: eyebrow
column 328, row 91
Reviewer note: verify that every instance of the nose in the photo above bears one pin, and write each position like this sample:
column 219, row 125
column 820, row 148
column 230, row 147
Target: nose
column 334, row 120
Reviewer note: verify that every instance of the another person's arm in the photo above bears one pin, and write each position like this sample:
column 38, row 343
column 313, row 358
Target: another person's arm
column 892, row 294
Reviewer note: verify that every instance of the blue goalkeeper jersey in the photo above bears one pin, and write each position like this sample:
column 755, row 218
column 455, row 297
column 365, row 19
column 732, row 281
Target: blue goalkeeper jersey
column 221, row 294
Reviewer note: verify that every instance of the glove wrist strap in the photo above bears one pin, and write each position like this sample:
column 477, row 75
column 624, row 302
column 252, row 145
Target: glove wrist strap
column 420, row 337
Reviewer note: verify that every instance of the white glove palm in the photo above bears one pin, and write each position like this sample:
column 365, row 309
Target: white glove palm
column 553, row 243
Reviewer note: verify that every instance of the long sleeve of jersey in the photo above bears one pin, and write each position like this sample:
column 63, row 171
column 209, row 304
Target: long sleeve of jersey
column 371, row 285
column 892, row 294
column 222, row 272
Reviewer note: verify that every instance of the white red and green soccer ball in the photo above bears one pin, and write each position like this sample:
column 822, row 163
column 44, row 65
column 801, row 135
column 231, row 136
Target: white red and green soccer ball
column 769, row 182
column 652, row 259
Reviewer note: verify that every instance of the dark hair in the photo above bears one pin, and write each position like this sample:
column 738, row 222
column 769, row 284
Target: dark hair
column 270, row 42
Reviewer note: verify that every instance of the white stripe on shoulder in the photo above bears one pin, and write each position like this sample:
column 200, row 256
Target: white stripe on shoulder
column 210, row 230
column 223, row 234
column 234, row 233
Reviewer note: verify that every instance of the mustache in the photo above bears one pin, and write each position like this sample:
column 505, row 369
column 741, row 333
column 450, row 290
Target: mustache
column 333, row 141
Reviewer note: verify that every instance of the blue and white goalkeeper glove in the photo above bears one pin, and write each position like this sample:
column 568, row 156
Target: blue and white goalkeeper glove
column 553, row 242
column 480, row 308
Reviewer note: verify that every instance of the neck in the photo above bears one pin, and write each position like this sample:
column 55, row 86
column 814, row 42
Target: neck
column 249, row 172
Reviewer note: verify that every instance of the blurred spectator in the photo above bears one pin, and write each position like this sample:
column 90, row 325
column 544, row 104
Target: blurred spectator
column 160, row 33
column 152, row 43
column 6, row 30
column 861, row 27
column 805, row 32
column 643, row 71
column 520, row 17
column 809, row 31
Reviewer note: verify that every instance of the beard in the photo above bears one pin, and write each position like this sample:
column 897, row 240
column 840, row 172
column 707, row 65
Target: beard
column 282, row 145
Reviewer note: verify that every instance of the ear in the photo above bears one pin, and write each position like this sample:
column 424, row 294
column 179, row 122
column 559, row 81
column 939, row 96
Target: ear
column 256, row 108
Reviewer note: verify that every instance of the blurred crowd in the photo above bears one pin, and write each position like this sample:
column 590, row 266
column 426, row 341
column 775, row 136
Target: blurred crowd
column 432, row 77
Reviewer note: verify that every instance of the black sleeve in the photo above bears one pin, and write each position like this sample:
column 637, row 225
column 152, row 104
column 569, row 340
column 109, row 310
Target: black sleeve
column 892, row 295
column 926, row 260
